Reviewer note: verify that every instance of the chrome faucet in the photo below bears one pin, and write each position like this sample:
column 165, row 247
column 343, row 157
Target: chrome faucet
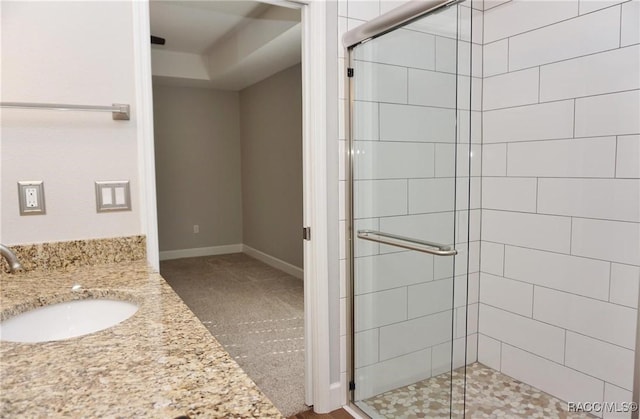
column 12, row 259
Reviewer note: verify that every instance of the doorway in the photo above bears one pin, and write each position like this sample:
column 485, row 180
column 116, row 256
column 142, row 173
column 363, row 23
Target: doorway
column 228, row 149
column 324, row 389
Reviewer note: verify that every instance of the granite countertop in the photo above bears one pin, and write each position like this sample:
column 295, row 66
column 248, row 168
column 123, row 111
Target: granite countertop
column 161, row 363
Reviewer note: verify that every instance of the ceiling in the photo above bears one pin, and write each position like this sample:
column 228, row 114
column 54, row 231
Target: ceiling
column 222, row 44
column 193, row 26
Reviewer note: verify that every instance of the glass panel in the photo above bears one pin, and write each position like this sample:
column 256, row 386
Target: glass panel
column 410, row 178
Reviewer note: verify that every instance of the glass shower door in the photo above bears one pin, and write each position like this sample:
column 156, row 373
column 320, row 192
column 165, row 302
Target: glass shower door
column 407, row 208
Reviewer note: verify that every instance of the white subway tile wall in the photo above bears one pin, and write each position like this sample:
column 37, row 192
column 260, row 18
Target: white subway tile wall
column 494, row 159
column 587, row 6
column 586, row 34
column 506, row 294
column 624, row 285
column 522, row 331
column 613, row 394
column 511, row 89
column 609, row 322
column 558, row 158
column 492, row 258
column 415, row 123
column 489, row 352
column 544, row 121
column 522, row 16
column 553, row 377
column 613, row 114
column 560, row 266
column 607, row 362
column 628, row 157
column 496, row 59
column 393, row 373
column 630, row 31
column 512, row 193
column 558, row 119
column 582, row 76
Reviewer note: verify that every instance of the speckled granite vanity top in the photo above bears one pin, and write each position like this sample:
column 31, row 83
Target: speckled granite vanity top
column 160, row 363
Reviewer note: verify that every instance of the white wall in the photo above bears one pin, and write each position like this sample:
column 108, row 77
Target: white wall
column 67, row 52
column 561, row 196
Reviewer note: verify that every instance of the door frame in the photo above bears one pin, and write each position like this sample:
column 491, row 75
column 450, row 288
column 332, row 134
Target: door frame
column 319, row 391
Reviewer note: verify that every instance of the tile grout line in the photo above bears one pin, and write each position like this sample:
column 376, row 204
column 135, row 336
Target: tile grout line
column 571, row 238
column 533, row 300
column 379, row 126
column 407, row 92
column 429, row 70
column 408, row 212
column 562, row 254
column 528, row 351
column 566, row 99
column 407, row 299
column 610, row 277
column 512, row 211
column 539, row 81
column 620, row 28
column 574, row 117
column 563, row 60
column 537, row 193
column 504, row 260
column 508, row 53
column 615, row 159
column 506, row 160
column 564, row 352
column 546, row 323
column 563, row 20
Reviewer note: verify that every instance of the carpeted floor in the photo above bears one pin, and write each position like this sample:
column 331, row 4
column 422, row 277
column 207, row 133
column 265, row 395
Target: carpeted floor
column 256, row 312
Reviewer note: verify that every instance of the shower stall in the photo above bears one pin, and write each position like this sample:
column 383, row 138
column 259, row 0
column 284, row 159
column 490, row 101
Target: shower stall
column 475, row 286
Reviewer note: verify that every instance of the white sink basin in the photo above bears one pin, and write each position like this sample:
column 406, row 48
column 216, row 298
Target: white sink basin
column 65, row 320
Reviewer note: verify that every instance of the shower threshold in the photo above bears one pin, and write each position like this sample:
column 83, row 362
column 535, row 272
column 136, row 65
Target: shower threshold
column 490, row 394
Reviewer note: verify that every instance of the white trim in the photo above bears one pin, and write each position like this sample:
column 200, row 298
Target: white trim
column 143, row 117
column 308, row 260
column 201, row 251
column 337, row 393
column 273, row 261
column 314, row 73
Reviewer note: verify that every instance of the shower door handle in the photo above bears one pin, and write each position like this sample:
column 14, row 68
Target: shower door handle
column 407, row 243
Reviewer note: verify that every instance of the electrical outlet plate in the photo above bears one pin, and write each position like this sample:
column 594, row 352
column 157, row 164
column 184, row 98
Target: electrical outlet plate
column 31, row 197
column 113, row 196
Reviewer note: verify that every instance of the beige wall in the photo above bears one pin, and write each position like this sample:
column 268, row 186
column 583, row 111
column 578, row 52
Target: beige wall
column 197, row 147
column 67, row 52
column 271, row 132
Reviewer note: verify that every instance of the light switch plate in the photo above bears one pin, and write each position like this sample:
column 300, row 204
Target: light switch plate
column 31, row 197
column 113, row 196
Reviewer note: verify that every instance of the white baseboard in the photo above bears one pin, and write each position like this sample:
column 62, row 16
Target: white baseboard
column 201, row 251
column 233, row 248
column 274, row 262
column 337, row 393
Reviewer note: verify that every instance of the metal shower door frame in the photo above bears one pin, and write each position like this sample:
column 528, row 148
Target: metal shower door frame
column 383, row 24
